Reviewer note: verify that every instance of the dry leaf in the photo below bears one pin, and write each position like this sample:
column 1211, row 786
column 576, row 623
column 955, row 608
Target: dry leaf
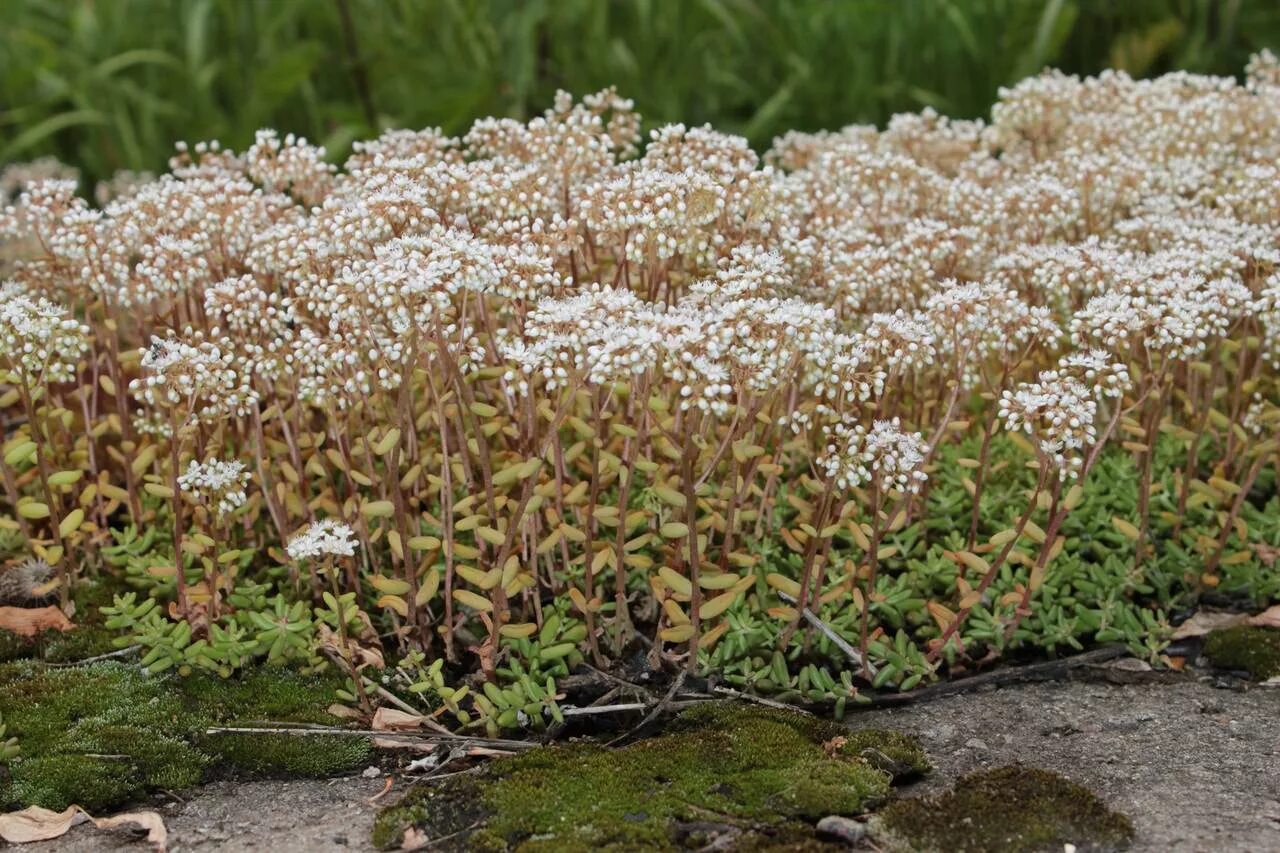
column 395, row 720
column 37, row 824
column 345, row 712
column 1269, row 618
column 157, row 835
column 1205, row 621
column 30, row 621
column 414, row 839
column 330, row 640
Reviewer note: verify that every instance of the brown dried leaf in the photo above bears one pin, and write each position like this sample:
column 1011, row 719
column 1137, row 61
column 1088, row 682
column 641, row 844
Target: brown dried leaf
column 1205, row 621
column 414, row 839
column 346, row 712
column 1266, row 553
column 364, row 656
column 395, row 720
column 37, row 824
column 1269, row 618
column 30, row 621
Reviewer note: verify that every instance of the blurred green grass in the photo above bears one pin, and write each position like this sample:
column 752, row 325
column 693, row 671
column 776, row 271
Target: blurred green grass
column 111, row 84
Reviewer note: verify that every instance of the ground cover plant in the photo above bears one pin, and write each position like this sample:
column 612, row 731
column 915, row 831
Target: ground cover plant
column 744, row 775
column 469, row 413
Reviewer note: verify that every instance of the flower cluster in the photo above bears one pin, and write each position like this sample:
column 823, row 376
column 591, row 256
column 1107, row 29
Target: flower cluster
column 220, row 483
column 39, row 340
column 1058, row 412
column 325, row 538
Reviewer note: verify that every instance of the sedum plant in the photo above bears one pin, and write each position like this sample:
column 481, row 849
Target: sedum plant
column 552, row 393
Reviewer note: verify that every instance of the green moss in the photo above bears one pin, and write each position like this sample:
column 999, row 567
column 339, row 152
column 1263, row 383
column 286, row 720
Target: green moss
column 899, row 755
column 287, row 755
column 97, row 735
column 103, row 734
column 57, row 646
column 748, row 767
column 1005, row 810
column 1252, row 649
column 60, row 780
column 86, row 641
column 447, row 809
column 14, row 647
column 265, row 693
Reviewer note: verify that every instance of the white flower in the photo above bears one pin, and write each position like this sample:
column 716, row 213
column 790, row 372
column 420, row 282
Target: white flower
column 327, row 537
column 223, row 483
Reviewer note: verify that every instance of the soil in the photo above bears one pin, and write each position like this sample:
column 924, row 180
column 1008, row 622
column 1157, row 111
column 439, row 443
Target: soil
column 1194, row 766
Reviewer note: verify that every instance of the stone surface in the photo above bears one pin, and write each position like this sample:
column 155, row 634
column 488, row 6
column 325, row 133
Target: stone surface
column 1194, row 767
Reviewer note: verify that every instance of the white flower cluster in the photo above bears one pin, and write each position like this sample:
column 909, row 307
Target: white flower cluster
column 221, row 483
column 39, row 340
column 886, row 455
column 1058, row 412
column 324, row 538
column 195, row 379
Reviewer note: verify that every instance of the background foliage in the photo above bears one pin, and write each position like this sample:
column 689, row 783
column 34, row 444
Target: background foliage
column 111, row 85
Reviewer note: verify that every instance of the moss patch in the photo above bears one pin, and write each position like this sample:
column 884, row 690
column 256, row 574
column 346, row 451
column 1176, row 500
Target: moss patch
column 13, row 647
column 56, row 646
column 899, row 755
column 756, row 771
column 1005, row 810
column 104, row 734
column 1252, row 649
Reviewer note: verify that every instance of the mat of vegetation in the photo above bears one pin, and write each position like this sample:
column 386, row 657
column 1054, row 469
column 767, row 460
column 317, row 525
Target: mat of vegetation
column 105, row 734
column 746, row 778
column 754, row 777
column 471, row 419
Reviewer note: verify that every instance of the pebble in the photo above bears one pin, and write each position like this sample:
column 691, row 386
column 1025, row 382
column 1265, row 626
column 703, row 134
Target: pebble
column 845, row 829
column 371, row 773
column 941, row 732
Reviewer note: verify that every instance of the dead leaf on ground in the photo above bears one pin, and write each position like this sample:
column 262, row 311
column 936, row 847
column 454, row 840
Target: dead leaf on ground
column 30, row 621
column 395, row 720
column 414, row 839
column 1206, row 621
column 345, row 712
column 37, row 824
column 1269, row 618
column 832, row 746
column 330, row 640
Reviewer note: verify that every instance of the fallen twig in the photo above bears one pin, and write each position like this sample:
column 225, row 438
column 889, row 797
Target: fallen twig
column 425, row 720
column 118, row 653
column 759, row 700
column 657, row 709
column 604, row 709
column 836, row 640
column 385, row 789
column 1045, row 671
column 408, row 737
